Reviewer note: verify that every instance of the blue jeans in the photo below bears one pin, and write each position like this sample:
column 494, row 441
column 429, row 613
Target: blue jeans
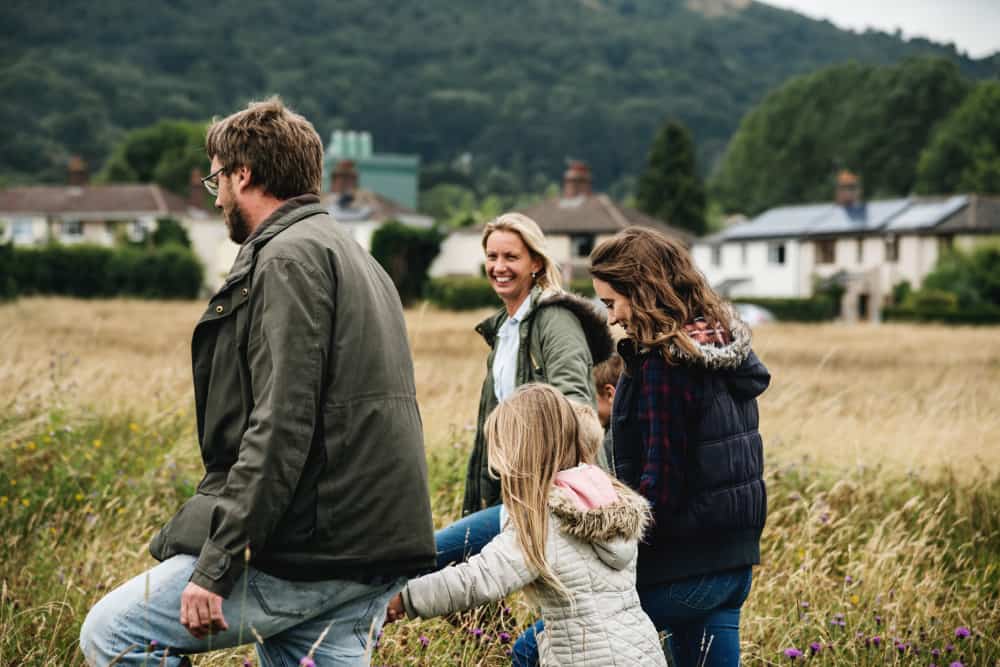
column 289, row 615
column 467, row 536
column 701, row 609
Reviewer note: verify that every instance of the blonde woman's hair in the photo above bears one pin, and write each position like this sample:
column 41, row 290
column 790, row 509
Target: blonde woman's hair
column 664, row 288
column 530, row 437
column 529, row 231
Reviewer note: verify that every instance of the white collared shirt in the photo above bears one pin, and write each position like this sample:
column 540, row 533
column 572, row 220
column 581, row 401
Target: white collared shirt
column 505, row 358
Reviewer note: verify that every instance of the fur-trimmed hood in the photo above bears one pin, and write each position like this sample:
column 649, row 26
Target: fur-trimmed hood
column 743, row 372
column 592, row 321
column 613, row 530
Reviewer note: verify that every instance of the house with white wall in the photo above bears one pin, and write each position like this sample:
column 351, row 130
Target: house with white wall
column 868, row 247
column 573, row 223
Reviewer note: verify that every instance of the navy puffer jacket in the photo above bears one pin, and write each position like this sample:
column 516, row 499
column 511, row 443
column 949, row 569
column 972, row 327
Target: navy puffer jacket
column 721, row 503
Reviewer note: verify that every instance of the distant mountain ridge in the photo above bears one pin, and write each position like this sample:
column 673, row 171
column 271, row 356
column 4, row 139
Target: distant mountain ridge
column 521, row 86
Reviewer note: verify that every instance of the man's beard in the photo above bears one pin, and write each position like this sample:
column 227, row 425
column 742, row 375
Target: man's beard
column 239, row 229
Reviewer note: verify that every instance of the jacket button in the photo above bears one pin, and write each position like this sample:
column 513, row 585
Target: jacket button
column 245, row 291
column 218, row 309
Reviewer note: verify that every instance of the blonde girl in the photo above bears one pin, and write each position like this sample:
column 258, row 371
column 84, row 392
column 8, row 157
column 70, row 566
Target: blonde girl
column 570, row 539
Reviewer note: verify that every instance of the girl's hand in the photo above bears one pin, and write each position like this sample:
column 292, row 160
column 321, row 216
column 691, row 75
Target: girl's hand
column 395, row 611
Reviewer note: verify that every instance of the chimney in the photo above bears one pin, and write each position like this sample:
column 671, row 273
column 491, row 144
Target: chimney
column 848, row 192
column 576, row 180
column 196, row 190
column 77, row 171
column 345, row 178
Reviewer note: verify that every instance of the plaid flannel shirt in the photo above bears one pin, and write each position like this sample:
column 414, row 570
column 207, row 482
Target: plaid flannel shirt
column 665, row 411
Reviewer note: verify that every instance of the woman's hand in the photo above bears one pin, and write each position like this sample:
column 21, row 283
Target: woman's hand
column 395, row 611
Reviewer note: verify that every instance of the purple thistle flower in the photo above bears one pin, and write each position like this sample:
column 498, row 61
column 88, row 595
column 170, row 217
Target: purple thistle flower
column 247, row 663
column 956, row 664
column 962, row 632
column 307, row 662
column 877, row 641
column 848, row 580
column 824, row 517
column 804, row 604
column 949, row 648
column 815, row 648
column 878, row 620
column 504, row 637
column 424, row 641
column 936, row 653
column 476, row 632
column 792, row 653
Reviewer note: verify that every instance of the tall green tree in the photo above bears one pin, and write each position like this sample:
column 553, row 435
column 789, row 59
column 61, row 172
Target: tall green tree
column 164, row 153
column 964, row 153
column 873, row 119
column 669, row 187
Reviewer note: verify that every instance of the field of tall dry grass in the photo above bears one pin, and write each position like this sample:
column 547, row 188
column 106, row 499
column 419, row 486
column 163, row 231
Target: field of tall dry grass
column 882, row 443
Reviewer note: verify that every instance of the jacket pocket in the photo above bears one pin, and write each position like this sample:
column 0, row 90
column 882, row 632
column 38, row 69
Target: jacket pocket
column 187, row 531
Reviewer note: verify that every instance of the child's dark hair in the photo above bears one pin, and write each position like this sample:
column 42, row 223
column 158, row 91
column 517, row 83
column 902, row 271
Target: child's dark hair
column 608, row 372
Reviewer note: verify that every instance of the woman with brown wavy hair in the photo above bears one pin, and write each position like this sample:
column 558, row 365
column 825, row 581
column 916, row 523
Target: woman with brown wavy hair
column 685, row 432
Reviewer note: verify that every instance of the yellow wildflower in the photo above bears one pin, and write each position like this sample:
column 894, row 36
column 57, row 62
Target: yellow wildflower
column 3, row 500
column 78, row 497
column 32, row 446
column 97, row 444
column 133, row 427
column 121, row 510
column 25, row 502
column 855, row 600
column 13, row 482
column 46, row 439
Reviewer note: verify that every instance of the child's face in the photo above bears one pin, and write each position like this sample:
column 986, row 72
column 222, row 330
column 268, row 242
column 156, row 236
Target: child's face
column 605, row 399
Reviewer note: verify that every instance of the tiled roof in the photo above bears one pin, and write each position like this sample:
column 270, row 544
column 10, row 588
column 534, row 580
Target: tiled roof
column 89, row 201
column 939, row 214
column 594, row 214
column 982, row 215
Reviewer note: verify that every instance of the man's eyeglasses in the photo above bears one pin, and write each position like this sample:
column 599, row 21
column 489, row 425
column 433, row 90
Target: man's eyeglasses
column 211, row 182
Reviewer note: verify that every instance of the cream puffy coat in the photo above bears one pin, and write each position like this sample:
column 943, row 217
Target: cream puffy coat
column 593, row 554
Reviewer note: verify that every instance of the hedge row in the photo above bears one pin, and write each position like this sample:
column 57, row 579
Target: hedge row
column 469, row 293
column 985, row 314
column 168, row 272
column 815, row 309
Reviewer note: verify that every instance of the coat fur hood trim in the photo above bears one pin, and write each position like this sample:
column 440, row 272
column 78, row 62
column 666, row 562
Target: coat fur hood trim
column 729, row 356
column 592, row 321
column 627, row 518
column 594, row 324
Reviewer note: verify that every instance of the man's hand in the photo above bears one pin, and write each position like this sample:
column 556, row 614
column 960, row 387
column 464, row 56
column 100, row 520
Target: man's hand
column 395, row 611
column 201, row 611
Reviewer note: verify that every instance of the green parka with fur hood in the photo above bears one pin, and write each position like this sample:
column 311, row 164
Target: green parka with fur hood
column 562, row 337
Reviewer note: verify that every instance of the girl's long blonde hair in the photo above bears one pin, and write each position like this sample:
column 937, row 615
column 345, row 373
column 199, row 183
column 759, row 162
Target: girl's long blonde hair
column 530, row 437
column 664, row 288
column 529, row 231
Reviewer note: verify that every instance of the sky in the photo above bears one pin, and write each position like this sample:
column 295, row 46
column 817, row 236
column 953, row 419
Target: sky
column 973, row 25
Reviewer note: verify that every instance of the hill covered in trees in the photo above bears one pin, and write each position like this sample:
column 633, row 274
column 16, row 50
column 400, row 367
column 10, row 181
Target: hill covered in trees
column 518, row 86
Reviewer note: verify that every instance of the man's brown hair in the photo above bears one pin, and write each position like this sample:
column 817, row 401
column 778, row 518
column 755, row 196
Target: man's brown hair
column 281, row 148
column 608, row 372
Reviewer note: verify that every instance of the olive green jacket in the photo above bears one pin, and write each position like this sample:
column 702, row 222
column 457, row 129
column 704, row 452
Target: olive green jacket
column 307, row 416
column 562, row 336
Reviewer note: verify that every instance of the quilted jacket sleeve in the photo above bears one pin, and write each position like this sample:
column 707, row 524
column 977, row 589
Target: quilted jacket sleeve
column 499, row 569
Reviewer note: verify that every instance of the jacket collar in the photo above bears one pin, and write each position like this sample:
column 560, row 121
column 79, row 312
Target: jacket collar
column 593, row 322
column 286, row 215
column 709, row 356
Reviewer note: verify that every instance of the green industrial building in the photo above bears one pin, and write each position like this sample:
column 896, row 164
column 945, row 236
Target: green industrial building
column 391, row 175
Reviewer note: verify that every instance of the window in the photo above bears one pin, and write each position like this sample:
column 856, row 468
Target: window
column 743, row 254
column 582, row 244
column 859, row 251
column 22, row 231
column 892, row 249
column 826, row 251
column 717, row 255
column 776, row 253
column 72, row 229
